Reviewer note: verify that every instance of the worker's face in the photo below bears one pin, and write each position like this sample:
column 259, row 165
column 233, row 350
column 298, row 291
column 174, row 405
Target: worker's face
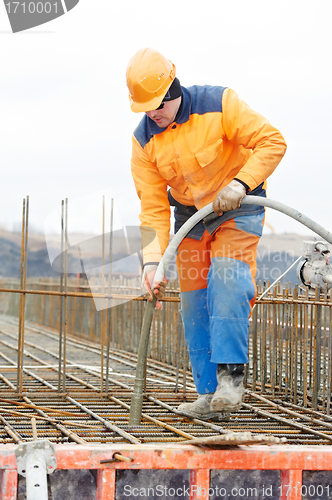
column 165, row 116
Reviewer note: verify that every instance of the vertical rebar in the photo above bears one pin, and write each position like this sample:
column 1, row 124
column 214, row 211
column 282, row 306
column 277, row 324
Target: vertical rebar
column 295, row 344
column 329, row 371
column 254, row 346
column 319, row 344
column 291, row 343
column 102, row 312
column 159, row 341
column 109, row 308
column 268, row 340
column 263, row 348
column 311, row 343
column 65, row 300
column 281, row 325
column 301, row 345
column 280, row 310
column 51, row 298
column 62, row 297
column 286, row 342
column 24, row 253
column 259, row 336
column 324, row 355
column 174, row 323
column 305, row 352
column 177, row 351
column 273, row 350
column 316, row 367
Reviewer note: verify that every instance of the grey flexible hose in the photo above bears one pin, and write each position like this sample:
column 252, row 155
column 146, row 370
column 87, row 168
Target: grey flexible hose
column 247, row 200
column 137, row 396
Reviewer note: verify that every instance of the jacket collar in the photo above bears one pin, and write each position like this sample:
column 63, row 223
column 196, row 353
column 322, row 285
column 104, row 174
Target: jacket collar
column 186, row 107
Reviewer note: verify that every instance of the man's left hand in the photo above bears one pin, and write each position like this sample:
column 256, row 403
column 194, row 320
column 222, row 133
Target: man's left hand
column 158, row 287
column 229, row 198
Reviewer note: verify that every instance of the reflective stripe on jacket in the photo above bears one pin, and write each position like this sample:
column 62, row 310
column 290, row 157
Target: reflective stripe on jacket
column 216, row 137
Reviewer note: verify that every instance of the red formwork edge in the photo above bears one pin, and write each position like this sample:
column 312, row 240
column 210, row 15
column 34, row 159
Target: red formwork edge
column 290, row 460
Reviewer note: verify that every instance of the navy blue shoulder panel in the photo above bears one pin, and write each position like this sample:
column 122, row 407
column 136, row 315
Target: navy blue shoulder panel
column 142, row 133
column 206, row 99
column 196, row 100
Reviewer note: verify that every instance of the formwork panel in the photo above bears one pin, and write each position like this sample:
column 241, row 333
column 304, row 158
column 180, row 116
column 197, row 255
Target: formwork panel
column 239, row 484
column 239, row 467
column 316, row 485
column 68, row 484
column 152, row 484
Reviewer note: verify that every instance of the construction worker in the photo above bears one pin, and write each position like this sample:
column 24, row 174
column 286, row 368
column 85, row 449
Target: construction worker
column 207, row 145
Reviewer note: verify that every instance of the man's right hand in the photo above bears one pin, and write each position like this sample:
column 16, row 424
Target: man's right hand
column 229, row 198
column 149, row 272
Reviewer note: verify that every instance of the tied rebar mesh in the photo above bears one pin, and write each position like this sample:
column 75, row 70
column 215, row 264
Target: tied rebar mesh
column 67, row 369
column 288, row 376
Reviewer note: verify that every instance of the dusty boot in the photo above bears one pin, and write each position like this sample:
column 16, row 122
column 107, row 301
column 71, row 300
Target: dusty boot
column 200, row 408
column 229, row 393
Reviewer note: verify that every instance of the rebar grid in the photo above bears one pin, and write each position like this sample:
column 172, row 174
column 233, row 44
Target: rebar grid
column 290, row 339
column 86, row 415
column 44, row 366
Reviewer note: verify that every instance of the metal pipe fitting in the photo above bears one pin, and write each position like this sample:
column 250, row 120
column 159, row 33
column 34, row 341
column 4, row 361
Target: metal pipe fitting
column 35, row 460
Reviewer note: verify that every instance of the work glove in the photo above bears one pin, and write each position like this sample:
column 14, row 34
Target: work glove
column 229, row 198
column 149, row 272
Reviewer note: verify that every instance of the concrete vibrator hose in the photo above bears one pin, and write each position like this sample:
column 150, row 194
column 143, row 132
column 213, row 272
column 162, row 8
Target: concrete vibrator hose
column 137, row 396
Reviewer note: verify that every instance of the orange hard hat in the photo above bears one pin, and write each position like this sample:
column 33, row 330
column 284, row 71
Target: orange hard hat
column 149, row 76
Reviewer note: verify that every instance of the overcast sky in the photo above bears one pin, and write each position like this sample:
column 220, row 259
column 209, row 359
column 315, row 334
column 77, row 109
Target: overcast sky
column 65, row 120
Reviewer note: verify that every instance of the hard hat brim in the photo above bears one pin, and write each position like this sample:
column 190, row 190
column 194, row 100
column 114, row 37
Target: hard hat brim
column 151, row 105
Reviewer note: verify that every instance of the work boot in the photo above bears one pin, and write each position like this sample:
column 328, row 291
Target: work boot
column 200, row 408
column 229, row 393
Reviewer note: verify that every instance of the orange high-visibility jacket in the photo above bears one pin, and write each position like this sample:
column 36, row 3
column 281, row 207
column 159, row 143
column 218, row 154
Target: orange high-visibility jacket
column 215, row 137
